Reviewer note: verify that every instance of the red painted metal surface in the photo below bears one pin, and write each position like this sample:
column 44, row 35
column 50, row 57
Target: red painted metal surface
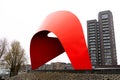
column 70, row 39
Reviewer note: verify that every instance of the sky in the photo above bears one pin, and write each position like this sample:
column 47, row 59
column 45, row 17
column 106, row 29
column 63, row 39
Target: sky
column 20, row 19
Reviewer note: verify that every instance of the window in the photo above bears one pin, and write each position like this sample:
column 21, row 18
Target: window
column 99, row 59
column 105, row 29
column 92, row 43
column 105, row 26
column 106, row 40
column 108, row 61
column 104, row 16
column 105, row 23
column 107, row 56
column 104, row 20
column 108, row 53
column 91, row 32
column 98, row 51
column 98, row 34
column 94, row 61
column 107, row 50
column 91, row 24
column 106, row 44
column 93, row 57
column 93, row 54
column 93, row 48
column 106, row 37
column 92, row 29
column 91, row 40
column 92, row 37
column 107, row 47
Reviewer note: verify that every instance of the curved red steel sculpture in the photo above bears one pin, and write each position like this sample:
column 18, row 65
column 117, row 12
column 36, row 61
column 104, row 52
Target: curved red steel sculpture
column 70, row 39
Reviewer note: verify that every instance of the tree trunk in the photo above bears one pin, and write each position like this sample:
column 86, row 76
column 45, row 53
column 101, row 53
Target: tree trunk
column 13, row 72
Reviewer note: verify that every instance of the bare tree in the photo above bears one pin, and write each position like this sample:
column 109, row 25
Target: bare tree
column 3, row 46
column 15, row 58
column 3, row 50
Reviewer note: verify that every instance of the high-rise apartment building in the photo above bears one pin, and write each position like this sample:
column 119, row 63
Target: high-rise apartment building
column 101, row 40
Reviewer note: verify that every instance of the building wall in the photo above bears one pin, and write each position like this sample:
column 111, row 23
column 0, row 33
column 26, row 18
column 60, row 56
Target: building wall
column 92, row 41
column 101, row 40
column 108, row 49
column 56, row 66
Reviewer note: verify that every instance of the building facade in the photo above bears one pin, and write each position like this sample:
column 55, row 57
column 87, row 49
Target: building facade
column 56, row 66
column 101, row 40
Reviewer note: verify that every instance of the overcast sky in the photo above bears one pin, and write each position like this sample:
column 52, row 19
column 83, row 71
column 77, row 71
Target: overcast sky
column 20, row 19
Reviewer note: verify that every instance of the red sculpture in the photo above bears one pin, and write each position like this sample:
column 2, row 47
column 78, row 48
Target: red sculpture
column 70, row 39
